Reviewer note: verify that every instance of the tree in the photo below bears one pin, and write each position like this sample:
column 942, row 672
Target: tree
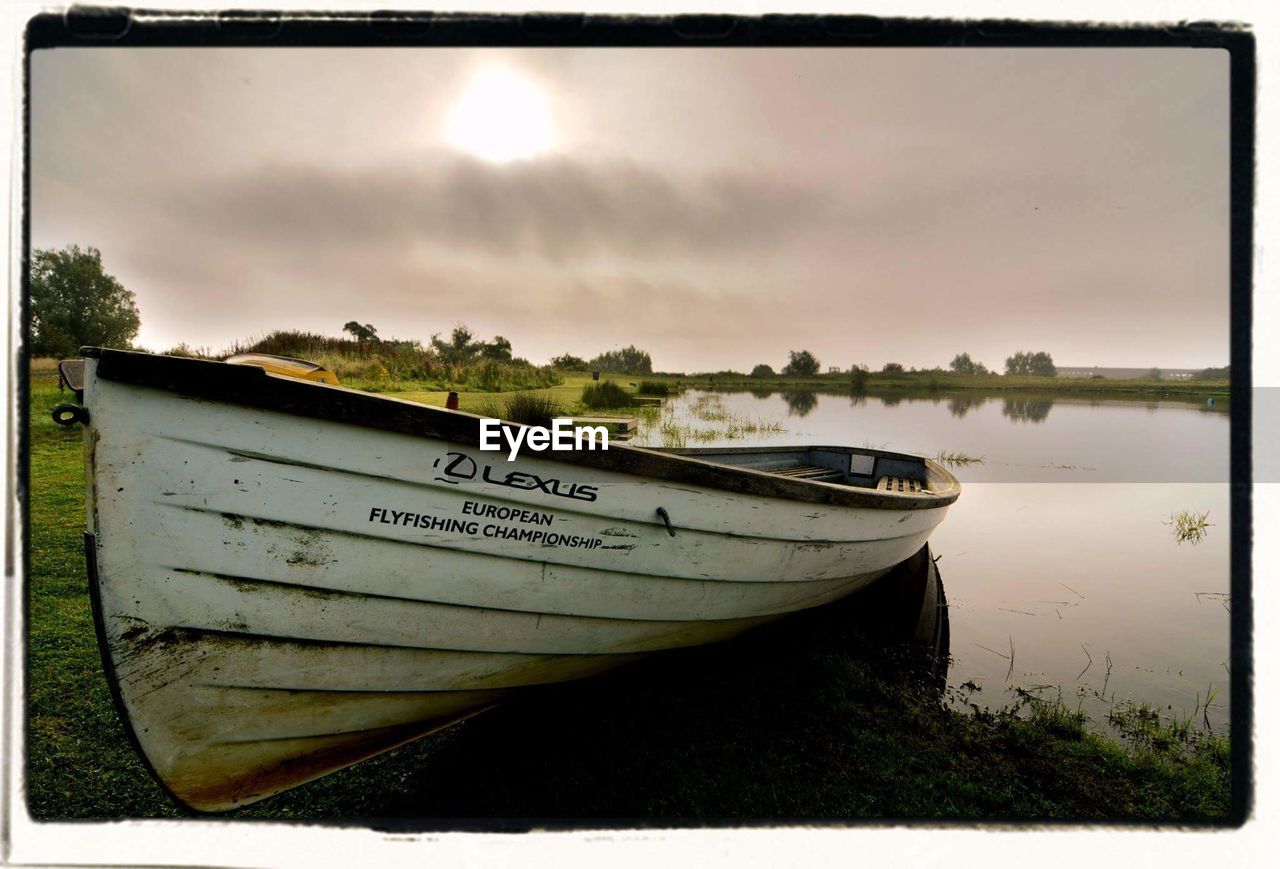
column 1033, row 364
column 628, row 360
column 1153, row 374
column 962, row 364
column 1223, row 373
column 460, row 348
column 361, row 333
column 800, row 401
column 762, row 370
column 802, row 364
column 569, row 362
column 74, row 303
column 892, row 368
column 499, row 348
column 463, row 347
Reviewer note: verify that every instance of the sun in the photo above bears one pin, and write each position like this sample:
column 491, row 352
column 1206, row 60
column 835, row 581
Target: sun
column 501, row 116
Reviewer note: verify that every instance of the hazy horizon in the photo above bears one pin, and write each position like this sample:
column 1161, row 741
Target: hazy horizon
column 716, row 207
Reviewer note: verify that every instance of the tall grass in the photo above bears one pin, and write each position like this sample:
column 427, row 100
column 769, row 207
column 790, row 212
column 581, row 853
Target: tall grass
column 705, row 419
column 1189, row 527
column 189, row 352
column 605, row 395
column 373, row 363
column 956, row 458
column 528, row 408
column 654, row 387
column 1054, row 715
column 673, row 436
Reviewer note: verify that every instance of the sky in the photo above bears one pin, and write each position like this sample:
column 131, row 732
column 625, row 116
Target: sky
column 717, row 207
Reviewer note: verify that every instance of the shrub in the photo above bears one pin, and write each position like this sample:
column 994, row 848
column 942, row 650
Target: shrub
column 802, row 364
column 527, row 408
column 964, row 364
column 491, row 375
column 189, row 352
column 762, row 370
column 605, row 395
column 1223, row 373
column 303, row 345
column 390, row 360
column 628, row 360
column 569, row 362
column 653, row 387
column 1038, row 364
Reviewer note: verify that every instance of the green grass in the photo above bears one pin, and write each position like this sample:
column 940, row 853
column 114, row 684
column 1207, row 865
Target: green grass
column 378, row 365
column 957, row 458
column 654, row 387
column 930, row 381
column 75, row 738
column 605, row 395
column 1189, row 527
column 529, row 408
column 809, row 718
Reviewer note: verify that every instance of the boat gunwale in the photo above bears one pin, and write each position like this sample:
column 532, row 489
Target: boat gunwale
column 254, row 387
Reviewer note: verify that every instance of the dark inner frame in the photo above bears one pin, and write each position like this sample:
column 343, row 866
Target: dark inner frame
column 106, row 27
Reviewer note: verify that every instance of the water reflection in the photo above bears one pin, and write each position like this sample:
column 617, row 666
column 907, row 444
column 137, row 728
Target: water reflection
column 908, row 607
column 1077, row 562
column 1027, row 409
column 800, row 402
column 960, row 405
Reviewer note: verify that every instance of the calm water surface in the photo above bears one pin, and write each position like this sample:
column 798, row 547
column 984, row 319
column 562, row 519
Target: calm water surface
column 1059, row 565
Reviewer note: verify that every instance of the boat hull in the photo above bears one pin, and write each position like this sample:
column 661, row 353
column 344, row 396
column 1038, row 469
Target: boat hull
column 279, row 597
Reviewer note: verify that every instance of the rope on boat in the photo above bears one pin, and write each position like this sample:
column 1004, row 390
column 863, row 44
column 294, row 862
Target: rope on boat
column 666, row 520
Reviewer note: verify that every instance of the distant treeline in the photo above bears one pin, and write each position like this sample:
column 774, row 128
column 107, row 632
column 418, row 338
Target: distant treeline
column 803, row 363
column 628, row 360
column 74, row 302
column 462, row 358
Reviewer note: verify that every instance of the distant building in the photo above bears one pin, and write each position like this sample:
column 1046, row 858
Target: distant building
column 1124, row 373
column 834, row 369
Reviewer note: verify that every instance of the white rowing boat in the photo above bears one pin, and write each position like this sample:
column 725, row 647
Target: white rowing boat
column 289, row 577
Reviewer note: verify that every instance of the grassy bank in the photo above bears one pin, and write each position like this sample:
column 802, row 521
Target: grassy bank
column 944, row 381
column 811, row 718
column 409, row 366
column 375, row 365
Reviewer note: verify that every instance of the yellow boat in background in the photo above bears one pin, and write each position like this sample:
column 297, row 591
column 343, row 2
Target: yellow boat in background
column 285, row 366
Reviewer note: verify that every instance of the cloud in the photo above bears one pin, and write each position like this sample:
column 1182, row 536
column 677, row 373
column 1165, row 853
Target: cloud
column 719, row 208
column 555, row 209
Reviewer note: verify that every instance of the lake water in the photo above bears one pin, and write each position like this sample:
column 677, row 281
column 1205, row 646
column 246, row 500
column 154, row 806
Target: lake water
column 1061, row 567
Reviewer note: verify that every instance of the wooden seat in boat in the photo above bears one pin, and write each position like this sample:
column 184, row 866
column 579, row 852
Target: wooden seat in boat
column 899, row 484
column 809, row 472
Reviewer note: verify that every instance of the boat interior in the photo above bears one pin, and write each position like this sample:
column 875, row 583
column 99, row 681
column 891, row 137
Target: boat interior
column 848, row 466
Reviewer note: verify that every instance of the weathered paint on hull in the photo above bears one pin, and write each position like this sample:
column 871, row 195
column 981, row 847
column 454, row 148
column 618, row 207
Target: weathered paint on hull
column 271, row 613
